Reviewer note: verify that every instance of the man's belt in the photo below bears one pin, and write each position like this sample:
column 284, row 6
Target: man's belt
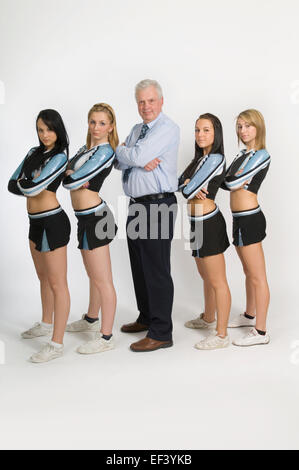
column 151, row 197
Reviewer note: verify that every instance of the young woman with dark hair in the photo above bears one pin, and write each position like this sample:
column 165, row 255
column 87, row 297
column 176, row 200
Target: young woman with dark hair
column 96, row 227
column 38, row 178
column 244, row 178
column 200, row 183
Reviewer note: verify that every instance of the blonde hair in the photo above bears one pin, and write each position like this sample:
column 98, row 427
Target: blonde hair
column 256, row 119
column 112, row 136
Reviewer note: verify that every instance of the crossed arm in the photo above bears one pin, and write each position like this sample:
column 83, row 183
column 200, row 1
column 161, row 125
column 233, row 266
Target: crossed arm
column 20, row 185
column 209, row 167
column 80, row 178
column 140, row 154
column 238, row 175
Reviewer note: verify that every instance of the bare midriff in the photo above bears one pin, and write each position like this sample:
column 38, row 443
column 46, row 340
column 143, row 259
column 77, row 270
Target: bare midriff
column 242, row 200
column 198, row 207
column 45, row 201
column 83, row 198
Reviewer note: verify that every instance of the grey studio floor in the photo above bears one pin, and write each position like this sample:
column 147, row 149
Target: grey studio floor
column 178, row 398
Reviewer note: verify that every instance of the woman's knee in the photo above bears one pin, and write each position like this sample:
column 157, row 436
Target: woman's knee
column 218, row 283
column 104, row 285
column 57, row 284
column 256, row 279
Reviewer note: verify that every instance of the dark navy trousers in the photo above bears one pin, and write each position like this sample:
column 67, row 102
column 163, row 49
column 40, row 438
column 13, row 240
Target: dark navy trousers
column 150, row 264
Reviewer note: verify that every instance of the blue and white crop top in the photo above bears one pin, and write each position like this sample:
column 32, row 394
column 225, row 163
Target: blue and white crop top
column 90, row 165
column 248, row 166
column 48, row 176
column 204, row 172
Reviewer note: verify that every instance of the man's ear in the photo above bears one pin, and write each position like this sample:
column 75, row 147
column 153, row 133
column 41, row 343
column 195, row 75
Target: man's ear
column 162, row 100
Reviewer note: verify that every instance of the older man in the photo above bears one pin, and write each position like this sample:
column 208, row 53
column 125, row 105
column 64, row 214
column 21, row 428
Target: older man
column 148, row 159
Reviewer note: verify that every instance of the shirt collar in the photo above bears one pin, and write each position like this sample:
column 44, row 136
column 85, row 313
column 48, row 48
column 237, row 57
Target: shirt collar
column 152, row 123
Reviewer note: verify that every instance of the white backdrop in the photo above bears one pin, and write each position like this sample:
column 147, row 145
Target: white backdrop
column 218, row 57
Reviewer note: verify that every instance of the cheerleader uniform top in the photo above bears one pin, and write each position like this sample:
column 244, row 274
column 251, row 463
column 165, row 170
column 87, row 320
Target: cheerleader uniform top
column 47, row 176
column 251, row 166
column 204, row 172
column 90, row 165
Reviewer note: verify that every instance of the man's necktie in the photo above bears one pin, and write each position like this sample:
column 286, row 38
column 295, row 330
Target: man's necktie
column 126, row 173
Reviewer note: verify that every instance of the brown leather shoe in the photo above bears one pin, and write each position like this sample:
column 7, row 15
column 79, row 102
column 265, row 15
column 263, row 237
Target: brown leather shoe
column 133, row 327
column 149, row 344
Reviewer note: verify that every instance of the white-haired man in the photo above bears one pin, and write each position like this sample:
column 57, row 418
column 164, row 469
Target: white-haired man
column 148, row 159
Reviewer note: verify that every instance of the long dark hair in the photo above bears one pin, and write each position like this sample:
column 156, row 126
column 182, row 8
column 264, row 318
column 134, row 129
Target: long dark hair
column 217, row 147
column 54, row 122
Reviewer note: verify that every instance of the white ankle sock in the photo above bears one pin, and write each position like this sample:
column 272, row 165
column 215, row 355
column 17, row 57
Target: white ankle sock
column 46, row 325
column 56, row 345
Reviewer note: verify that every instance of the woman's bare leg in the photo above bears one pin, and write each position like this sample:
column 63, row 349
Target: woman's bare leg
column 94, row 300
column 98, row 267
column 209, row 294
column 214, row 268
column 254, row 261
column 56, row 267
column 250, row 290
column 47, row 298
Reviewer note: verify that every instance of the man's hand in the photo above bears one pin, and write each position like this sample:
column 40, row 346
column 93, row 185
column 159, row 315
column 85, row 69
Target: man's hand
column 152, row 164
column 69, row 172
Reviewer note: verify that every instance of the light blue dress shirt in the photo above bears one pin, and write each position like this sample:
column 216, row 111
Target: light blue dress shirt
column 161, row 141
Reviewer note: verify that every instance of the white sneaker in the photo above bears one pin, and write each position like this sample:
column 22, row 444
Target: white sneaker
column 96, row 345
column 240, row 321
column 199, row 322
column 213, row 342
column 37, row 330
column 82, row 325
column 47, row 353
column 252, row 338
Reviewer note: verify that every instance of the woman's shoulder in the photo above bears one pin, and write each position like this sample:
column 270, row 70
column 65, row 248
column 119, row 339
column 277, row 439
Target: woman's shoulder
column 61, row 156
column 216, row 156
column 262, row 152
column 212, row 158
column 103, row 149
column 31, row 151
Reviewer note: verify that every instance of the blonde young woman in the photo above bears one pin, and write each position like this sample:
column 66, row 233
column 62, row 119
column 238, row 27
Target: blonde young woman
column 85, row 175
column 200, row 183
column 244, row 178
